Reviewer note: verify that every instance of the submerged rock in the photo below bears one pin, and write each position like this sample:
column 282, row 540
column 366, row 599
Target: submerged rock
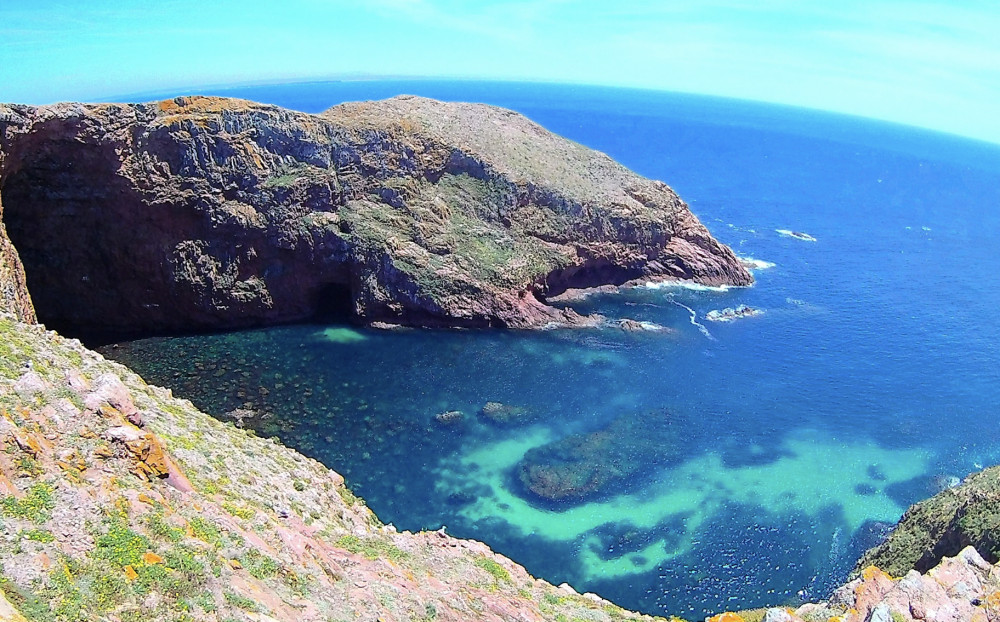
column 204, row 212
column 580, row 466
column 634, row 326
column 504, row 414
column 449, row 418
column 798, row 235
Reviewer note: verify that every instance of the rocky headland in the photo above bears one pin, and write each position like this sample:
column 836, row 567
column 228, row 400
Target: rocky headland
column 121, row 502
column 199, row 213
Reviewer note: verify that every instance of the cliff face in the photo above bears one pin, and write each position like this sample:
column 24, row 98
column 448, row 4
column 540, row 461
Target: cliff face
column 14, row 296
column 206, row 212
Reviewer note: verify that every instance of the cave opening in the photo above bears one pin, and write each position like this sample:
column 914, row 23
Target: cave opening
column 334, row 303
column 593, row 273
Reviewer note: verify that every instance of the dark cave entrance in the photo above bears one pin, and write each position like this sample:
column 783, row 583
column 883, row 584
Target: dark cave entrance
column 334, row 303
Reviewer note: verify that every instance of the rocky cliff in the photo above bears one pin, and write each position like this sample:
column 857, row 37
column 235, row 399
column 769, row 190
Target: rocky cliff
column 205, row 213
column 14, row 296
column 966, row 515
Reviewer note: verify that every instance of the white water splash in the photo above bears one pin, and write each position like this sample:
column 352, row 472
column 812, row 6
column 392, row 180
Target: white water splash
column 694, row 319
column 755, row 264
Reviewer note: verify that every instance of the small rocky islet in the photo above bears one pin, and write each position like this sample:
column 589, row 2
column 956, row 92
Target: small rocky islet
column 123, row 502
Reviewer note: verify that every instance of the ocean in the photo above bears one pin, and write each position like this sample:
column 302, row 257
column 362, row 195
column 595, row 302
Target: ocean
column 796, row 436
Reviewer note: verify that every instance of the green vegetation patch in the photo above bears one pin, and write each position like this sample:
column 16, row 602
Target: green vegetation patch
column 498, row 572
column 121, row 546
column 206, row 531
column 259, row 565
column 38, row 535
column 241, row 602
column 36, row 505
column 372, row 548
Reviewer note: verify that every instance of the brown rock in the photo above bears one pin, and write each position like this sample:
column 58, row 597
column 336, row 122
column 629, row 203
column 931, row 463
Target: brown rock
column 150, row 457
column 207, row 212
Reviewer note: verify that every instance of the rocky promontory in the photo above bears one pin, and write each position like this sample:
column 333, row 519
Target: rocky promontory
column 120, row 502
column 202, row 212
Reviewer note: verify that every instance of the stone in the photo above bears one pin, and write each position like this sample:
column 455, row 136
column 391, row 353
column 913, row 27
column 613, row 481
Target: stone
column 776, row 614
column 108, row 390
column 504, row 414
column 450, row 418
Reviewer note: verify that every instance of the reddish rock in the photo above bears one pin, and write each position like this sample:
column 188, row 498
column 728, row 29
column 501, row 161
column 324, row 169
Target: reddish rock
column 206, row 212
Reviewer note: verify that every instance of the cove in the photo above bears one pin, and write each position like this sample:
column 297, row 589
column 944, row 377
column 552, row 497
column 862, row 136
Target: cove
column 803, row 432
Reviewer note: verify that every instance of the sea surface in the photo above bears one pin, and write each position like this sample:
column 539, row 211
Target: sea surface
column 797, row 436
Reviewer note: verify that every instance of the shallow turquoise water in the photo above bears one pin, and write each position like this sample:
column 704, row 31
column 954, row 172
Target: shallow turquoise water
column 869, row 381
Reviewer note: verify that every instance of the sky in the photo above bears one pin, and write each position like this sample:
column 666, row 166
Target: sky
column 933, row 64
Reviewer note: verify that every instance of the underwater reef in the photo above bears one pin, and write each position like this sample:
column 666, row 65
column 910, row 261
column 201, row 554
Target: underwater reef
column 580, row 466
column 208, row 213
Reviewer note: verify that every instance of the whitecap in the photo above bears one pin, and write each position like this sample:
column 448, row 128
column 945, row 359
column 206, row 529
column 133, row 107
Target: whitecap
column 755, row 264
column 698, row 287
column 694, row 320
column 798, row 235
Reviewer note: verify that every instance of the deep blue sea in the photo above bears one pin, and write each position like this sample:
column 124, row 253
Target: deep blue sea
column 870, row 380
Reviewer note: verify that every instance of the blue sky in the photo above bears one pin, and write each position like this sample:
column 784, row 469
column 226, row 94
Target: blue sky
column 933, row 64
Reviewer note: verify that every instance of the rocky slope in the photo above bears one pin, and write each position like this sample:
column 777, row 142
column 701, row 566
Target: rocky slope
column 205, row 213
column 120, row 502
column 966, row 515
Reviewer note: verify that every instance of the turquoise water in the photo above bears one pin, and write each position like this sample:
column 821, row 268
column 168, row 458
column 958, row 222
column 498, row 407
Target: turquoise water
column 796, row 436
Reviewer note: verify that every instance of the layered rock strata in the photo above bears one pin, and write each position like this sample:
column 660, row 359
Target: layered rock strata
column 200, row 212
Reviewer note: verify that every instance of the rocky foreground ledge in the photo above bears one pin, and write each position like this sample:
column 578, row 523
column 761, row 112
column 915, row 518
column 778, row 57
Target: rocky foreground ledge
column 203, row 212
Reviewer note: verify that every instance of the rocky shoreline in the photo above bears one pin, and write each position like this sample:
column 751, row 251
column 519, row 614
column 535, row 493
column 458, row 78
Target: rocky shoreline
column 121, row 502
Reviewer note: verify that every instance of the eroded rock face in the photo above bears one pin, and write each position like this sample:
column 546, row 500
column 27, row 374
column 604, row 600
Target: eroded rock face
column 14, row 296
column 208, row 212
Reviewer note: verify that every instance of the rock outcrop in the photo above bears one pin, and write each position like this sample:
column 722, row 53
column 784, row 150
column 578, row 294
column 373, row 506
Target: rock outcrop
column 965, row 515
column 14, row 298
column 205, row 213
column 963, row 588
